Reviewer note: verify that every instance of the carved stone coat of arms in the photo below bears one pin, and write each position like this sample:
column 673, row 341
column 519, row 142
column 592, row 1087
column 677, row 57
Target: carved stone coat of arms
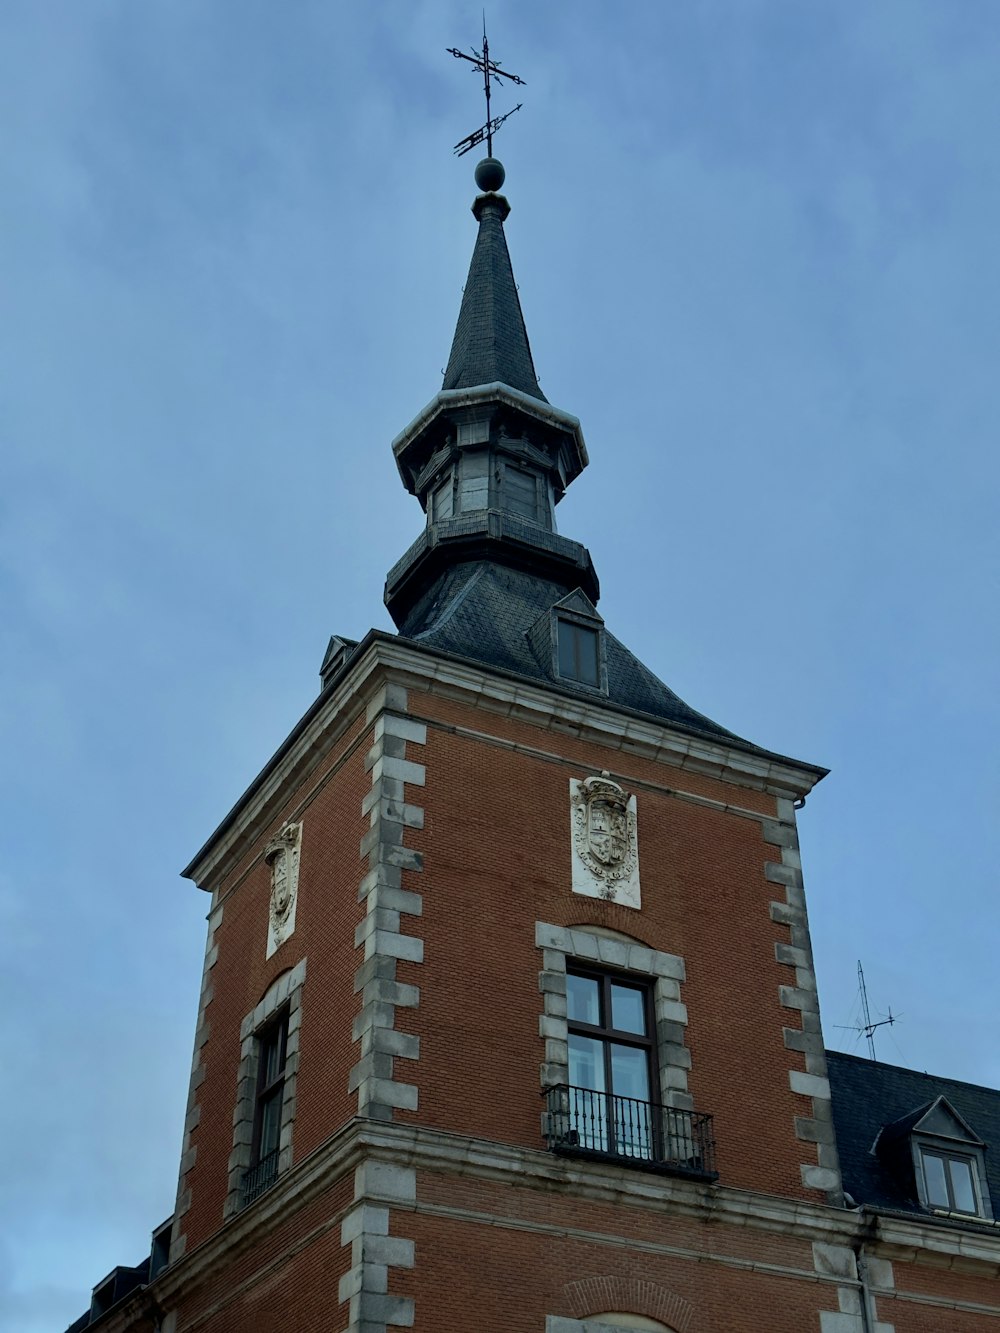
column 605, row 848
column 282, row 855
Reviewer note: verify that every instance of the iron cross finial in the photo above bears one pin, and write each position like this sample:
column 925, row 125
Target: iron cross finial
column 491, row 72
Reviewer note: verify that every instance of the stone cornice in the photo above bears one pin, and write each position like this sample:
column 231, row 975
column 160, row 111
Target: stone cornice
column 453, row 1154
column 937, row 1243
column 315, row 735
column 491, row 394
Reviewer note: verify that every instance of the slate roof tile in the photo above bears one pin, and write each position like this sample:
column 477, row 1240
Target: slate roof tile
column 868, row 1095
column 483, row 611
column 491, row 341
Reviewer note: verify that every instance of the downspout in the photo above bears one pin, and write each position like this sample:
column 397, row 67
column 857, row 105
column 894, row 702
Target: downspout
column 869, row 1319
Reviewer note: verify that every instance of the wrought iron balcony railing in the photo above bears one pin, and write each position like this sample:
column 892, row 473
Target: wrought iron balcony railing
column 259, row 1177
column 583, row 1123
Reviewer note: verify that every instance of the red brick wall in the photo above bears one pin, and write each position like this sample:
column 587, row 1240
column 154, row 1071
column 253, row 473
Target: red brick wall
column 285, row 1280
column 477, row 1274
column 326, row 914
column 496, row 847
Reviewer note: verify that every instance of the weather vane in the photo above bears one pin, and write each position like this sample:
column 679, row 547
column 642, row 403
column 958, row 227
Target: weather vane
column 491, row 72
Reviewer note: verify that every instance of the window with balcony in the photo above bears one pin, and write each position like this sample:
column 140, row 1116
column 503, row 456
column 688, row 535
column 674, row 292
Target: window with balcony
column 607, row 1109
column 615, row 1071
column 610, row 1055
column 272, row 1045
column 264, row 1114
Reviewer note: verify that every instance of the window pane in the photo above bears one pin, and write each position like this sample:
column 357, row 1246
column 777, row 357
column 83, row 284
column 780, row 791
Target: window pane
column 578, row 654
column 583, row 1000
column 937, row 1188
column 628, row 1009
column 270, row 1057
column 566, row 656
column 962, row 1187
column 587, row 656
column 629, row 1072
column 586, row 1062
column 270, row 1123
column 630, row 1082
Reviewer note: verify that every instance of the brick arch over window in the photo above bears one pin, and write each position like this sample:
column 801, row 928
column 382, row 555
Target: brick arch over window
column 612, row 916
column 596, row 928
column 591, row 1296
column 271, row 989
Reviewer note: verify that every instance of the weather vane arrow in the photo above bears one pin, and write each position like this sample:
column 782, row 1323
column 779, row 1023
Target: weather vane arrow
column 492, row 73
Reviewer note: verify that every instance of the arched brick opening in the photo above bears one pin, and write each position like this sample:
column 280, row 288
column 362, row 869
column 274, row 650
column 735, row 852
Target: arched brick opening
column 594, row 1295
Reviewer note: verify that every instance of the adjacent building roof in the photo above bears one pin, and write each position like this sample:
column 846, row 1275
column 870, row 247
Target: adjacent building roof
column 869, row 1096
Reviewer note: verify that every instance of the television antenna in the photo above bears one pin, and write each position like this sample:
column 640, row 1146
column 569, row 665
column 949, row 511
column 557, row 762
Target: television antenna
column 492, row 73
column 869, row 1026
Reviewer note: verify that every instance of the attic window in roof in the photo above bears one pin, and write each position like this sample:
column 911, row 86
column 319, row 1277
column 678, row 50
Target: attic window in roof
column 579, row 652
column 950, row 1182
column 942, row 1155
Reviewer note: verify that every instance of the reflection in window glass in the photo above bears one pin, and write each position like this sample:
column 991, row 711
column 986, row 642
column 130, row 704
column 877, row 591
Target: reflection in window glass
column 630, row 1071
column 610, row 1050
column 962, row 1187
column 583, row 1000
column 937, row 1186
column 949, row 1183
column 270, row 1125
column 586, row 1062
column 628, row 1009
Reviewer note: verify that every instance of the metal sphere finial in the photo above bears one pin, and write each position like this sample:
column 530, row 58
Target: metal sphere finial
column 490, row 174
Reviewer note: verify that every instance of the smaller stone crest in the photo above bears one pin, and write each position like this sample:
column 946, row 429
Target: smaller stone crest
column 282, row 855
column 605, row 841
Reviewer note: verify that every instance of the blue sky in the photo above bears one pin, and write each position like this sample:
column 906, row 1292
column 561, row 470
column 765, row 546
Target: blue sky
column 756, row 249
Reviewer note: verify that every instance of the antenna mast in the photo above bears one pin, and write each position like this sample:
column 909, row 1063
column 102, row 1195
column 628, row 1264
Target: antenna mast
column 869, row 1027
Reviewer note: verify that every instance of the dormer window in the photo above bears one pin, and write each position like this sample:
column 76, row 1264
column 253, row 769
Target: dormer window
column 569, row 638
column 950, row 1182
column 579, row 652
column 935, row 1150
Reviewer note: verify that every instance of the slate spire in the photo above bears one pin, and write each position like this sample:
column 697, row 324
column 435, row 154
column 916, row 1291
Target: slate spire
column 491, row 342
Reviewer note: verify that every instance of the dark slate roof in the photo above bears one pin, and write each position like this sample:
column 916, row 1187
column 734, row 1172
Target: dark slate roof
column 491, row 342
column 483, row 611
column 868, row 1096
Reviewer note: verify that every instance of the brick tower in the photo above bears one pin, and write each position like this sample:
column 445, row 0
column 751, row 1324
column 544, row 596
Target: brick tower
column 508, row 1019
